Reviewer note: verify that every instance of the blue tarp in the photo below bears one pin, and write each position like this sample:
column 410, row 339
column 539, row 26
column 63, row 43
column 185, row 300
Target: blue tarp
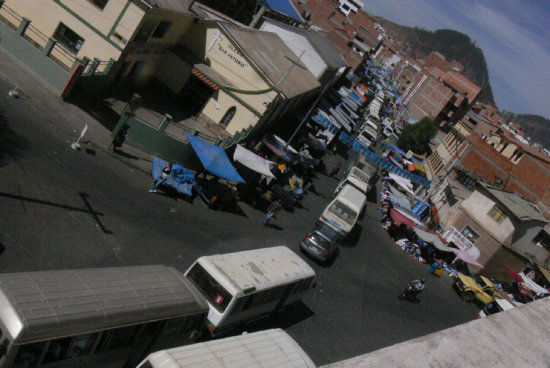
column 181, row 179
column 283, row 6
column 214, row 159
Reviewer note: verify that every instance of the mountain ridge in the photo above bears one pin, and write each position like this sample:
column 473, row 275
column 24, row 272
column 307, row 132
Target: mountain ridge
column 459, row 46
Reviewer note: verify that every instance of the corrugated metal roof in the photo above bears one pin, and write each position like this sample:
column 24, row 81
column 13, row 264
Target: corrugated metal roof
column 260, row 268
column 264, row 349
column 270, row 54
column 48, row 304
column 519, row 206
column 321, row 43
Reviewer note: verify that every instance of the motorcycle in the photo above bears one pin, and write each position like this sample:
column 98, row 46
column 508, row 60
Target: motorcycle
column 409, row 294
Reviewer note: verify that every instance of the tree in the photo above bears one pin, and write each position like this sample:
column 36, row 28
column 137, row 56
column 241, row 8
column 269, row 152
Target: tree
column 416, row 137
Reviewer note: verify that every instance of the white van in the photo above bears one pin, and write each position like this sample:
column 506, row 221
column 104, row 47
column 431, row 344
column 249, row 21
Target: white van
column 356, row 177
column 341, row 214
column 367, row 136
column 369, row 123
column 387, row 122
column 373, row 114
column 496, row 306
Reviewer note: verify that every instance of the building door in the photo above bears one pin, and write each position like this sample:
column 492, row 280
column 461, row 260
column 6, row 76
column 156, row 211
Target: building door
column 195, row 95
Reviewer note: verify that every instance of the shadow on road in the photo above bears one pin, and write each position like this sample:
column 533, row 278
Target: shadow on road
column 285, row 318
column 353, row 238
column 2, row 248
column 84, row 196
column 12, row 145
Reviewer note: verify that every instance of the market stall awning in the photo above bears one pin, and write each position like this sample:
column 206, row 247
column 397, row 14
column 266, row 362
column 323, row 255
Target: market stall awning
column 399, row 202
column 253, row 161
column 402, row 182
column 433, row 239
column 214, row 159
column 400, row 218
column 277, row 145
column 466, row 257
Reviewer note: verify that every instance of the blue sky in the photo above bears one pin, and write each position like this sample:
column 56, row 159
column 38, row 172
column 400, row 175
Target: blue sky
column 513, row 34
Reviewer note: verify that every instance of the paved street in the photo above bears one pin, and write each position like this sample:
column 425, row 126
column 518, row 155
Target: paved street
column 61, row 208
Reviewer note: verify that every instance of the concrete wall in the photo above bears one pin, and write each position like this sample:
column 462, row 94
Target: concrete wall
column 478, row 207
column 486, row 244
column 514, row 338
column 525, row 245
column 94, row 25
column 47, row 70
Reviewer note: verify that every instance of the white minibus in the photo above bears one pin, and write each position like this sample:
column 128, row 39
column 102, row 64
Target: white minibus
column 270, row 348
column 356, row 177
column 95, row 318
column 243, row 286
column 341, row 214
column 367, row 136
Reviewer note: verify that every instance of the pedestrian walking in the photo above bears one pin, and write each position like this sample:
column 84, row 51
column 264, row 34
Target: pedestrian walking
column 119, row 139
column 164, row 174
column 272, row 210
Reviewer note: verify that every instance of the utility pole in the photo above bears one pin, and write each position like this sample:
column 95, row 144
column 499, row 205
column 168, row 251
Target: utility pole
column 307, row 115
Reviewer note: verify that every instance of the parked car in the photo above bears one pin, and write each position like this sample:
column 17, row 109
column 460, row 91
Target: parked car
column 321, row 244
column 388, row 131
column 496, row 306
column 478, row 287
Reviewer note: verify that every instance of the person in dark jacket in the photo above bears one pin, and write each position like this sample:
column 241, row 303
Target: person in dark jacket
column 272, row 210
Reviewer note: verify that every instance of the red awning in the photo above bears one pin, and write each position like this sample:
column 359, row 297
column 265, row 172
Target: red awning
column 399, row 219
column 205, row 79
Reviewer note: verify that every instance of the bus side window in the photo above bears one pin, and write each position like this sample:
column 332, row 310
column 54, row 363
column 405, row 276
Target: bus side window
column 82, row 345
column 29, row 354
column 239, row 304
column 117, row 338
column 57, row 350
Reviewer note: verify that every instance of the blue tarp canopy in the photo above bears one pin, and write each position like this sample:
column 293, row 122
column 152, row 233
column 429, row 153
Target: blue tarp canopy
column 214, row 159
column 283, row 6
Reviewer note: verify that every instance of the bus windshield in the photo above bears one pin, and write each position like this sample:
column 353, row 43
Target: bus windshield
column 209, row 287
column 343, row 212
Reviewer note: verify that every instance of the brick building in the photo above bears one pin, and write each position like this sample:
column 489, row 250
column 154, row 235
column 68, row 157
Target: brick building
column 350, row 29
column 437, row 89
column 504, row 161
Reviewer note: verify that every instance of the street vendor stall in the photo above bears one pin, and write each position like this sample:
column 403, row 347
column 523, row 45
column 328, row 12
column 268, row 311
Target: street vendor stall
column 215, row 161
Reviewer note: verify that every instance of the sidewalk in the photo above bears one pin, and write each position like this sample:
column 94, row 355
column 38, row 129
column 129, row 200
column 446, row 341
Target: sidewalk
column 67, row 119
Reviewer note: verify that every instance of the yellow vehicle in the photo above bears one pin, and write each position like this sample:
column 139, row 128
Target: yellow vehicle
column 478, row 287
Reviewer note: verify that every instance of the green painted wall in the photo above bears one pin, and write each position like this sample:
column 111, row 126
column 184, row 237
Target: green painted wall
column 150, row 140
column 47, row 70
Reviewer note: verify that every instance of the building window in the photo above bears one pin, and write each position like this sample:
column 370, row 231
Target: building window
column 449, row 195
column 228, row 116
column 99, row 3
column 542, row 240
column 497, row 214
column 470, row 234
column 162, row 29
column 68, row 39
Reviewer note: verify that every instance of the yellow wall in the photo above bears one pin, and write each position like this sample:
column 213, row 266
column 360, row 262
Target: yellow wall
column 226, row 59
column 46, row 16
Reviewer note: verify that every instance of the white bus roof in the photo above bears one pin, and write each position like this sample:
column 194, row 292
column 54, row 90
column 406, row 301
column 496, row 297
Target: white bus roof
column 264, row 349
column 352, row 195
column 49, row 304
column 258, row 268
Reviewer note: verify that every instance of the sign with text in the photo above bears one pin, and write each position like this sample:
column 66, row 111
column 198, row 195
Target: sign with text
column 455, row 236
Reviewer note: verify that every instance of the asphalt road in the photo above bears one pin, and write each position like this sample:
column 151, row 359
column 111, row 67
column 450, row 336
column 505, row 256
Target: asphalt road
column 61, row 208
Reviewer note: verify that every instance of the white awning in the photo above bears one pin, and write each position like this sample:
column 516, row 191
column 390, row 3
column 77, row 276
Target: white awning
column 432, row 239
column 253, row 161
column 402, row 182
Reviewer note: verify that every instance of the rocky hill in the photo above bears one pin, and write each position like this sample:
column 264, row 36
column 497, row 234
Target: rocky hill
column 452, row 44
column 535, row 126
